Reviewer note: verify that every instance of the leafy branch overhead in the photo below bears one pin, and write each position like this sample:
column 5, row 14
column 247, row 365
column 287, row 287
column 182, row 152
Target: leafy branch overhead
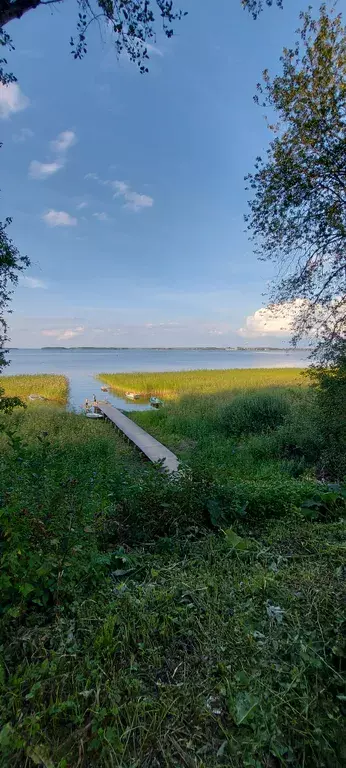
column 298, row 207
column 11, row 263
column 132, row 22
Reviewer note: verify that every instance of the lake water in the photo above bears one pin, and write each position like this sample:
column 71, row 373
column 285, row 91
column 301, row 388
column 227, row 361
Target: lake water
column 81, row 365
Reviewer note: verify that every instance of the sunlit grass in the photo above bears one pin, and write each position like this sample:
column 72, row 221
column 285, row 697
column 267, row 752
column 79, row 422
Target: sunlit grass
column 171, row 385
column 51, row 387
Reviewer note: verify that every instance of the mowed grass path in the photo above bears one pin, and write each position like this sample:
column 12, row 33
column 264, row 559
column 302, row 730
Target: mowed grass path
column 52, row 387
column 171, row 385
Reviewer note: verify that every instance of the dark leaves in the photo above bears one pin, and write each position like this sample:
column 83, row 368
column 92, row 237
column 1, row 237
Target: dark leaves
column 298, row 209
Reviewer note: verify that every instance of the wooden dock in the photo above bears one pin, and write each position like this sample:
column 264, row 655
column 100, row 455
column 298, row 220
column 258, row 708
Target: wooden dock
column 151, row 448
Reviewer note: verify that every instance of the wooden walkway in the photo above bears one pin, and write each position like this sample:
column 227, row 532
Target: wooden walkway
column 151, row 448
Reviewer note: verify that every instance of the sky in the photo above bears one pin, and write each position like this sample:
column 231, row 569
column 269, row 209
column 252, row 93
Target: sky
column 127, row 191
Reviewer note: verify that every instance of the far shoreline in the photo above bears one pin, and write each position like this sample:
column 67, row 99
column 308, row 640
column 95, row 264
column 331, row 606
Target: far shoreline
column 163, row 349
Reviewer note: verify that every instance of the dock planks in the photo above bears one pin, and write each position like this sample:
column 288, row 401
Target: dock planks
column 151, row 448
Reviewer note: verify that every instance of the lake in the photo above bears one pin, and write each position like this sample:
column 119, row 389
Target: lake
column 81, row 365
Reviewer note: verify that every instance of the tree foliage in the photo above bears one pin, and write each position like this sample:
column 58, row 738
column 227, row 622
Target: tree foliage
column 256, row 6
column 298, row 208
column 133, row 23
column 11, row 264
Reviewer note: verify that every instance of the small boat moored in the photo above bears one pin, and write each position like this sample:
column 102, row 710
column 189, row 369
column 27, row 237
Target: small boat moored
column 92, row 413
column 155, row 402
column 132, row 396
column 104, row 389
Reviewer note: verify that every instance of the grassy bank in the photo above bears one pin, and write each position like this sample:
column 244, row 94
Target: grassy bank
column 135, row 631
column 162, row 622
column 175, row 384
column 52, row 387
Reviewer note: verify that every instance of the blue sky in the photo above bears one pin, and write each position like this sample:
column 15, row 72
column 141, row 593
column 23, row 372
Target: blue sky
column 127, row 191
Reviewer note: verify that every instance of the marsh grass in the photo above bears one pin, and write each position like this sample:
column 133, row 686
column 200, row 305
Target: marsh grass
column 53, row 387
column 171, row 385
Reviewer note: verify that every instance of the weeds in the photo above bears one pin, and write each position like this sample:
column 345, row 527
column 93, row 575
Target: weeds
column 149, row 621
column 254, row 412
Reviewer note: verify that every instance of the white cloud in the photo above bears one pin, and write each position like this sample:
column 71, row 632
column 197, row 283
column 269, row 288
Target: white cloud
column 272, row 322
column 64, row 334
column 80, row 206
column 12, row 100
column 121, row 188
column 101, row 216
column 133, row 200
column 22, row 135
column 49, row 332
column 63, row 142
column 153, row 50
column 33, row 282
column 59, row 219
column 59, row 146
column 39, row 170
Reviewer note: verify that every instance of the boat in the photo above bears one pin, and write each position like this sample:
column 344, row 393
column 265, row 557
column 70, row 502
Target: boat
column 92, row 413
column 155, row 402
column 104, row 389
column 132, row 396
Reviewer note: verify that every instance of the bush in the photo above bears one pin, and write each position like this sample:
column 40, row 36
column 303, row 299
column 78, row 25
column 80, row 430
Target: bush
column 331, row 399
column 254, row 413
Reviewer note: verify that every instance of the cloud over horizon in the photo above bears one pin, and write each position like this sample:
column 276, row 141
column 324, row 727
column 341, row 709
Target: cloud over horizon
column 63, row 334
column 276, row 321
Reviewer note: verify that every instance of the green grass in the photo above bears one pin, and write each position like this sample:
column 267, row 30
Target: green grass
column 149, row 621
column 52, row 387
column 133, row 632
column 172, row 385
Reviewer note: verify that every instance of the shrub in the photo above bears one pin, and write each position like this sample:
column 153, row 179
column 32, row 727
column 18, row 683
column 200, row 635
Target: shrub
column 331, row 399
column 254, row 413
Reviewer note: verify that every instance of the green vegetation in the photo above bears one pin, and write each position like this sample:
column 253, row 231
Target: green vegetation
column 196, row 620
column 297, row 202
column 51, row 387
column 138, row 629
column 172, row 384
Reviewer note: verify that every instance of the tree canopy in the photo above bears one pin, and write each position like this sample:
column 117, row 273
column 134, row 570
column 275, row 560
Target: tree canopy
column 11, row 265
column 133, row 23
column 298, row 208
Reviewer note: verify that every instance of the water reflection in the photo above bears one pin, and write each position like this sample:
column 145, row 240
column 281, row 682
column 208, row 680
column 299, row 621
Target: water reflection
column 85, row 387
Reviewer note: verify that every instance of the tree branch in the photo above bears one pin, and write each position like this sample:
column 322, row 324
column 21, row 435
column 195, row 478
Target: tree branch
column 15, row 10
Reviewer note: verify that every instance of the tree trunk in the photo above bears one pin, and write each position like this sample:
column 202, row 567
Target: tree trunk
column 14, row 10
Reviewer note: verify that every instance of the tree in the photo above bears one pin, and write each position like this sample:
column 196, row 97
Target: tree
column 11, row 264
column 298, row 209
column 131, row 21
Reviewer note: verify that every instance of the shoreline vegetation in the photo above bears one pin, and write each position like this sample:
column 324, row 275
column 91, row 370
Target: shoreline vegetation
column 166, row 349
column 188, row 620
column 51, row 387
column 173, row 384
